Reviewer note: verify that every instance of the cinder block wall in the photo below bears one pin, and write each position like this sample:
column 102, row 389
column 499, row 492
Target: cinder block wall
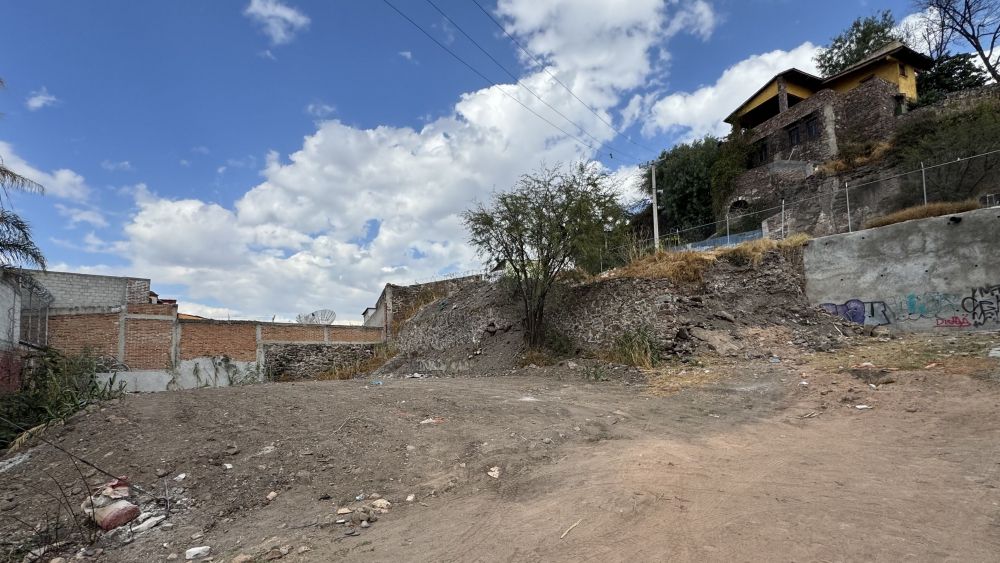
column 86, row 290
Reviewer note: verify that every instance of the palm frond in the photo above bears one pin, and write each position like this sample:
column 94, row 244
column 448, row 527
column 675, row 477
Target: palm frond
column 16, row 244
column 10, row 180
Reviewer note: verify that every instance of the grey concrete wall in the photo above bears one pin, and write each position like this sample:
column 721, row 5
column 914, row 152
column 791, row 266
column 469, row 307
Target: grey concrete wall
column 71, row 290
column 218, row 371
column 937, row 274
column 10, row 313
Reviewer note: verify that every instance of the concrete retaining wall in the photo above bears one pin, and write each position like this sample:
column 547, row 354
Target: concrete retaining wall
column 941, row 273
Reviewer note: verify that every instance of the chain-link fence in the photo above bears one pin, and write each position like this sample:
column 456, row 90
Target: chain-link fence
column 826, row 204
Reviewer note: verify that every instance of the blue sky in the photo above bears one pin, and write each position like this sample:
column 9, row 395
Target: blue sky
column 266, row 157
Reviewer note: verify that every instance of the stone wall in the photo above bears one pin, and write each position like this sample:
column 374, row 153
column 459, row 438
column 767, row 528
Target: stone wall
column 302, row 361
column 774, row 132
column 866, row 113
column 937, row 274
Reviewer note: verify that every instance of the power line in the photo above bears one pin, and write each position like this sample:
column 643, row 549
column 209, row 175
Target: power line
column 487, row 79
column 560, row 82
column 523, row 85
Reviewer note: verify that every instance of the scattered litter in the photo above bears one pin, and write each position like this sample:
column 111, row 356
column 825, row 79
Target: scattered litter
column 774, row 360
column 713, row 415
column 862, row 407
column 265, row 450
column 227, row 465
column 344, row 510
column 196, row 552
column 272, row 495
column 527, row 399
column 873, row 386
column 415, row 376
column 804, row 383
column 360, row 497
column 432, row 420
column 494, row 472
column 570, row 529
column 934, row 364
column 340, row 521
column 811, row 414
column 411, row 498
column 180, row 477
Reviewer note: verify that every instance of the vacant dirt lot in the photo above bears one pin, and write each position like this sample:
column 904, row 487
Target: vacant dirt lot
column 726, row 461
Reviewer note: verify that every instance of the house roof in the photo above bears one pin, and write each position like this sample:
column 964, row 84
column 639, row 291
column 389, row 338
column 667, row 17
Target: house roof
column 895, row 49
column 798, row 76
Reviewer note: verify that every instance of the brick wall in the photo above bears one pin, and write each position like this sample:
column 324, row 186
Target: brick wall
column 72, row 334
column 148, row 343
column 292, row 333
column 165, row 309
column 236, row 339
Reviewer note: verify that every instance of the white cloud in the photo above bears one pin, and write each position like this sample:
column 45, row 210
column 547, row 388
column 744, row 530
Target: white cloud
column 303, row 239
column 62, row 182
column 200, row 149
column 408, row 55
column 208, row 311
column 320, row 110
column 116, row 166
column 78, row 215
column 701, row 112
column 40, row 99
column 267, row 54
column 184, row 162
column 279, row 21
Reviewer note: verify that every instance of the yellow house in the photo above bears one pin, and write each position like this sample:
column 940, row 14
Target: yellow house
column 895, row 63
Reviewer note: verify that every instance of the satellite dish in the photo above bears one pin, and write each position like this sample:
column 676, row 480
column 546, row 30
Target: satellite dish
column 321, row 317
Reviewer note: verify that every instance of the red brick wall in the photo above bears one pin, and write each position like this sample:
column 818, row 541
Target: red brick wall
column 152, row 308
column 147, row 343
column 355, row 334
column 292, row 333
column 238, row 340
column 72, row 334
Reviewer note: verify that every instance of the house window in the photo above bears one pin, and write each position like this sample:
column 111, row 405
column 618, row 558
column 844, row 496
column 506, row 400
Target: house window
column 793, row 136
column 902, row 69
column 812, row 128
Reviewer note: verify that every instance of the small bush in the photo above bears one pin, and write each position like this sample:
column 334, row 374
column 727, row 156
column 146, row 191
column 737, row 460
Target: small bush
column 53, row 387
column 536, row 357
column 635, row 347
column 558, row 343
column 922, row 212
column 679, row 267
column 751, row 253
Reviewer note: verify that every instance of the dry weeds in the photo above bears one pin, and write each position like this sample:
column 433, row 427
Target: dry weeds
column 382, row 353
column 923, row 212
column 689, row 266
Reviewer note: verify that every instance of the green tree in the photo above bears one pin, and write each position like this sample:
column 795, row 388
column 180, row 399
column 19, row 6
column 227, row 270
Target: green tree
column 16, row 245
column 552, row 220
column 684, row 186
column 951, row 138
column 950, row 73
column 862, row 38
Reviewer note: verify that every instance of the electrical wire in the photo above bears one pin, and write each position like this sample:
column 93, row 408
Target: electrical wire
column 611, row 148
column 544, row 68
column 487, row 79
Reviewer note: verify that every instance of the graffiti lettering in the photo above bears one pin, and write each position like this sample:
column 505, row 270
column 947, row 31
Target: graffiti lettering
column 954, row 322
column 929, row 305
column 873, row 313
column 983, row 305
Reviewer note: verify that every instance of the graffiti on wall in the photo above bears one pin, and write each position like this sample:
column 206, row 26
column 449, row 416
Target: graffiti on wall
column 983, row 305
column 945, row 310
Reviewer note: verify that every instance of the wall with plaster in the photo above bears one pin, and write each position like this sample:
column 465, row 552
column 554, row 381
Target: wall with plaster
column 937, row 274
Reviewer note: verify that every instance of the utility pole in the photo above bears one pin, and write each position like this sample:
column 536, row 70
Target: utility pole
column 923, row 181
column 656, row 209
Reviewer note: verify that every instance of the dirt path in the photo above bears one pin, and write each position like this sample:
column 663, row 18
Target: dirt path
column 745, row 464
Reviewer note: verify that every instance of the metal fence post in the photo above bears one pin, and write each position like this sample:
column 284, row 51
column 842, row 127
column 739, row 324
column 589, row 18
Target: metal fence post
column 847, row 192
column 923, row 180
column 727, row 229
column 782, row 218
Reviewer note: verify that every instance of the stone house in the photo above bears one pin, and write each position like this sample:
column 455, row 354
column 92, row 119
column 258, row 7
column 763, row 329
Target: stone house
column 797, row 120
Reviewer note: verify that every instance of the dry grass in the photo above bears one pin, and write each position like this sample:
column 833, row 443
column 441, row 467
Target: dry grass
column 689, row 266
column 382, row 353
column 855, row 157
column 923, row 212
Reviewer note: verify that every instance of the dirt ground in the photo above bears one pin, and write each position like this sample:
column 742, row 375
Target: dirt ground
column 714, row 459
